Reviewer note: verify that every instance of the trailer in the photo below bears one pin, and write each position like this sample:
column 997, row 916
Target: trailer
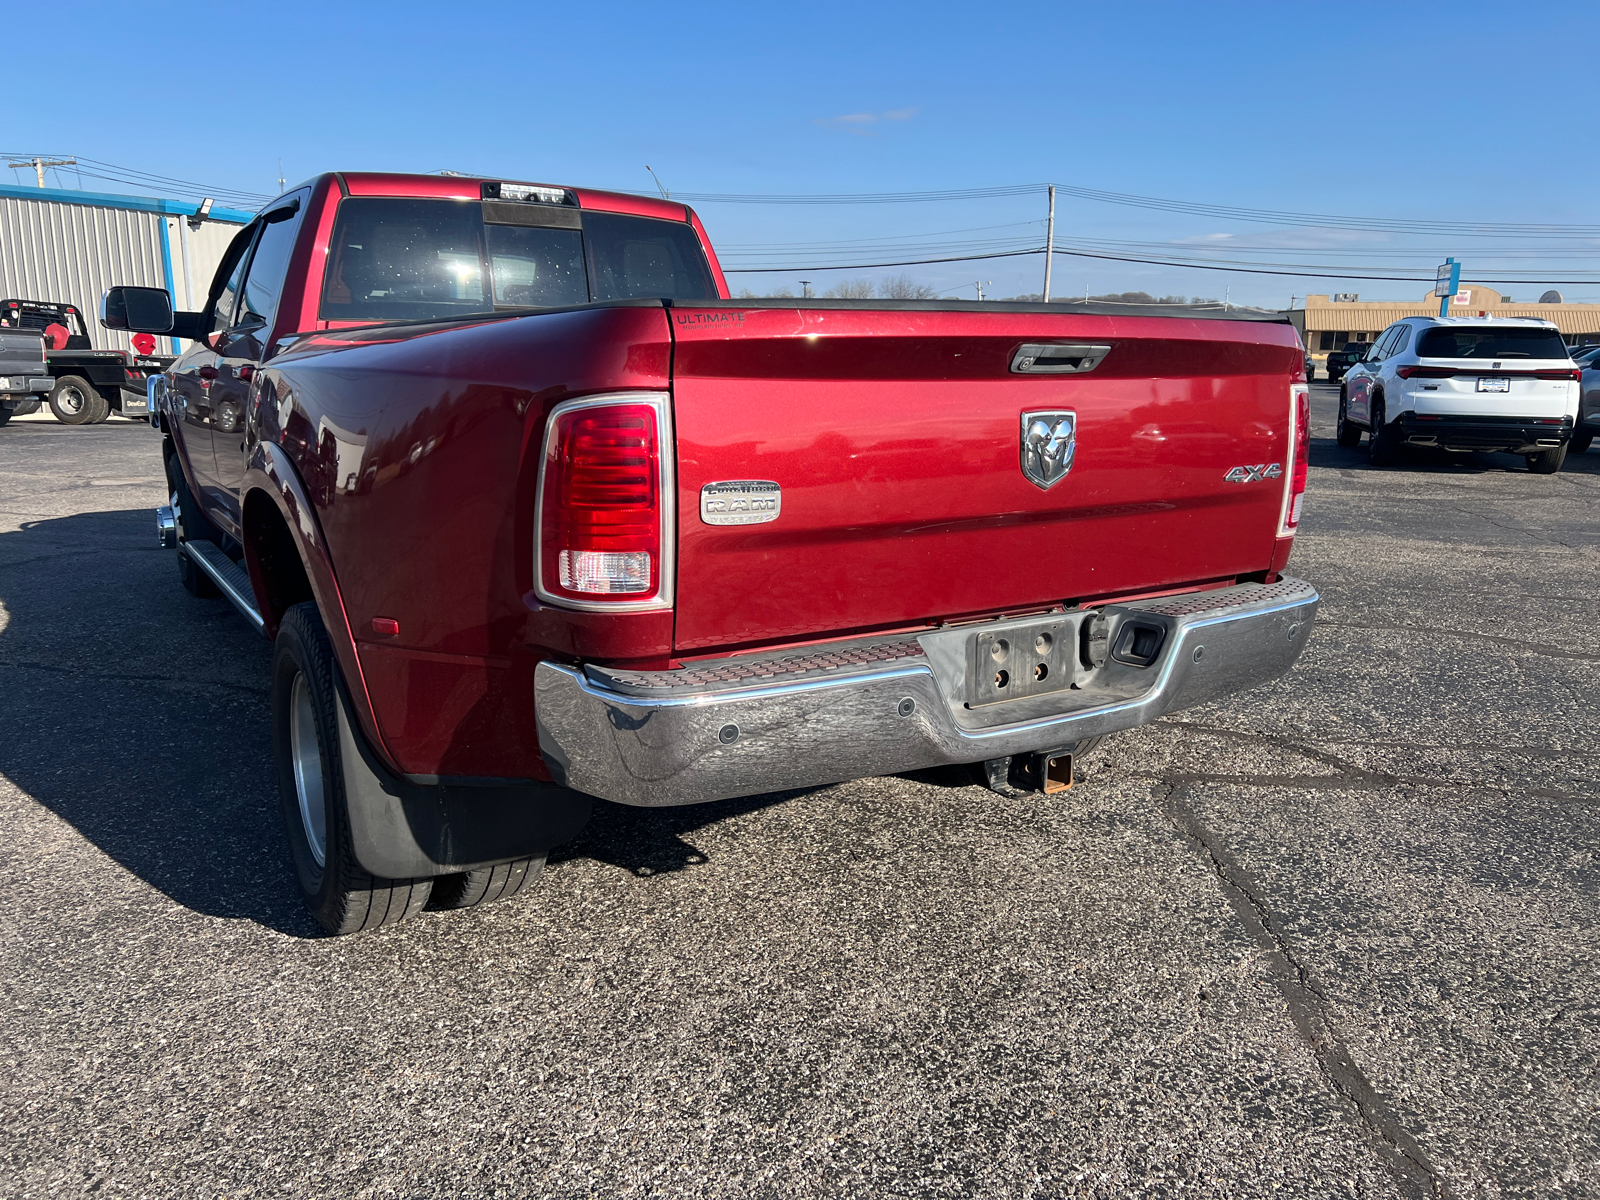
column 88, row 385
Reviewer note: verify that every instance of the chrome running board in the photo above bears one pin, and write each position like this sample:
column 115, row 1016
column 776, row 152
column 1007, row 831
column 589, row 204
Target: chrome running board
column 229, row 576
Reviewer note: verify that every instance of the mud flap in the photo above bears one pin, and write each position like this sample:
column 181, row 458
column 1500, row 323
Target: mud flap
column 402, row 830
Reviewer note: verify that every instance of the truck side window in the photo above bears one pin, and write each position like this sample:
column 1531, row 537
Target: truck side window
column 268, row 265
column 227, row 298
column 405, row 260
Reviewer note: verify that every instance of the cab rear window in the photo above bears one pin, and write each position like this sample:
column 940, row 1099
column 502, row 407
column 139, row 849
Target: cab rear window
column 1504, row 342
column 398, row 260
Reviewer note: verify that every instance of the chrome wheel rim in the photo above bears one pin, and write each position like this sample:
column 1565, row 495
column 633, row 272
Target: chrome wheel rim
column 307, row 759
column 71, row 400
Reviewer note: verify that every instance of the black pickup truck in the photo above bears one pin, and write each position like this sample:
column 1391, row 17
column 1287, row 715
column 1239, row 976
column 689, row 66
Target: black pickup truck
column 22, row 372
column 1340, row 361
column 86, row 385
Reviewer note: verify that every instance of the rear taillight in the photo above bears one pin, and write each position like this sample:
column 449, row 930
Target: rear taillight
column 1300, row 449
column 1415, row 372
column 604, row 497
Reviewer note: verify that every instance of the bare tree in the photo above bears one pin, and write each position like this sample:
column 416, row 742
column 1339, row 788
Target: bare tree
column 782, row 293
column 850, row 289
column 903, row 287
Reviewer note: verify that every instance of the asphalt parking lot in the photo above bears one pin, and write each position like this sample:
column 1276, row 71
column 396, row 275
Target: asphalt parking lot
column 1336, row 937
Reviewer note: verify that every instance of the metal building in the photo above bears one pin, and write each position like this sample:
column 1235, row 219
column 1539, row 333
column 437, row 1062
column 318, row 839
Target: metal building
column 71, row 246
column 1328, row 323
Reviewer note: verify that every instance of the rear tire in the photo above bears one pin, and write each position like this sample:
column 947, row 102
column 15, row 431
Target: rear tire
column 1580, row 443
column 340, row 894
column 75, row 402
column 487, row 884
column 1348, row 435
column 1381, row 448
column 5, row 414
column 1546, row 462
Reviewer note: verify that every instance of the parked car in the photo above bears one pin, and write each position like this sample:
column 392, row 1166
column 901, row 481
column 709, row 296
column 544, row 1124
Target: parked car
column 535, row 513
column 88, row 384
column 1588, row 407
column 1584, row 355
column 22, row 372
column 1311, row 369
column 1340, row 361
column 1464, row 384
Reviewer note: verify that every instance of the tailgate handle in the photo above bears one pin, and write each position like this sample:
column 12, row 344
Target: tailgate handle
column 1063, row 358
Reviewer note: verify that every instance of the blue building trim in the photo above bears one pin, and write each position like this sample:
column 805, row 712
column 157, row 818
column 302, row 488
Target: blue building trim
column 173, row 208
column 166, row 272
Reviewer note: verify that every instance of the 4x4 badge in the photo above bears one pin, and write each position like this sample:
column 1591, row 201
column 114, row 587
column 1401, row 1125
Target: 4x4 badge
column 1049, row 440
column 1253, row 474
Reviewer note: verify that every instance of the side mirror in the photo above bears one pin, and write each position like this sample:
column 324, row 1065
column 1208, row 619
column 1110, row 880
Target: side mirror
column 137, row 309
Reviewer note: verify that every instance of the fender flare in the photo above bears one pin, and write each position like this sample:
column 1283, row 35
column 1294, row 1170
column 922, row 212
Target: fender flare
column 272, row 472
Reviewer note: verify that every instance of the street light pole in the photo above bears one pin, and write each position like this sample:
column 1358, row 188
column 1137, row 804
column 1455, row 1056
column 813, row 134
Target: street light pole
column 1049, row 242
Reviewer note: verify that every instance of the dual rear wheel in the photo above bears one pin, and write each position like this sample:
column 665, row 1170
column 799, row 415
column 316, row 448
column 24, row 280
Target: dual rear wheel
column 75, row 402
column 341, row 894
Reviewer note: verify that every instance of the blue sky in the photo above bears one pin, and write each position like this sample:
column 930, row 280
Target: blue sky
column 1465, row 112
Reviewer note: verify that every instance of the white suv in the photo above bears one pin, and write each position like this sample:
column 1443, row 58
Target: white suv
column 1464, row 383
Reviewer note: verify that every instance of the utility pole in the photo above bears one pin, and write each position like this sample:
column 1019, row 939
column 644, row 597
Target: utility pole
column 39, row 165
column 660, row 187
column 1227, row 292
column 805, row 289
column 980, row 284
column 1049, row 242
column 281, row 180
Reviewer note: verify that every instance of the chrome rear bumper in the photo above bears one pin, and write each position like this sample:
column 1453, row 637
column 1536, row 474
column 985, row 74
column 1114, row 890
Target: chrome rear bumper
column 756, row 724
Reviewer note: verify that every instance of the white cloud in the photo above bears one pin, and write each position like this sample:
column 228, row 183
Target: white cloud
column 861, row 123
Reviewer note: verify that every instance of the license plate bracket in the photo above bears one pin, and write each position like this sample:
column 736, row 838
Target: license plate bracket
column 1015, row 660
column 1494, row 385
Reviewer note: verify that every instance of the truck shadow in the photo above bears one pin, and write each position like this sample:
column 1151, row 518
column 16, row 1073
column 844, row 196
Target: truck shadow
column 652, row 841
column 139, row 716
column 1325, row 452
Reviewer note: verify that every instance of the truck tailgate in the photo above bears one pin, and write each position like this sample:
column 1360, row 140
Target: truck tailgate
column 895, row 438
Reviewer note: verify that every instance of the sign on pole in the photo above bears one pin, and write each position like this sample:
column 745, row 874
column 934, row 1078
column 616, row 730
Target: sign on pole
column 1447, row 283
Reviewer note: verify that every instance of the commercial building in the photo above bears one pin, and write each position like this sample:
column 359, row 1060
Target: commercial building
column 71, row 246
column 1328, row 322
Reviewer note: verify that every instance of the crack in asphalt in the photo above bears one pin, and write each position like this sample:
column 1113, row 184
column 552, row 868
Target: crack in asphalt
column 114, row 677
column 1535, row 647
column 1350, row 776
column 1537, row 535
column 79, row 552
column 1384, row 743
column 1307, row 1004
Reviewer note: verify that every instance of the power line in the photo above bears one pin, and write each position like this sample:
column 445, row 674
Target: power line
column 1156, row 262
column 982, row 193
column 914, row 262
column 1517, row 229
column 113, row 173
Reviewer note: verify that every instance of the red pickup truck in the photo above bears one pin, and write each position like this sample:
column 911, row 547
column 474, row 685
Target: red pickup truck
column 536, row 513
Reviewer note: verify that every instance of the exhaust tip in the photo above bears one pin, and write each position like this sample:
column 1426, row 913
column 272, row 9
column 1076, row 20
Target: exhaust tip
column 166, row 527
